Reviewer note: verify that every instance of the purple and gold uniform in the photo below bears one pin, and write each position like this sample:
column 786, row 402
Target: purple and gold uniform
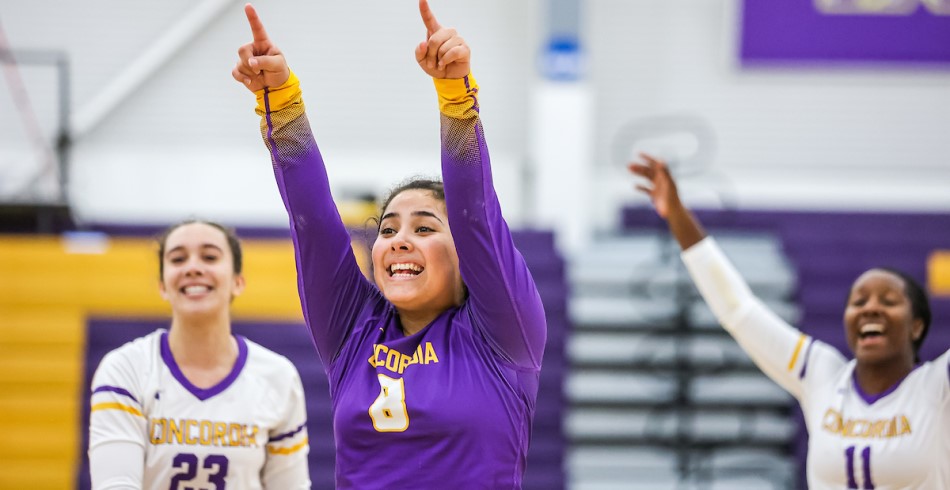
column 150, row 428
column 451, row 405
column 896, row 439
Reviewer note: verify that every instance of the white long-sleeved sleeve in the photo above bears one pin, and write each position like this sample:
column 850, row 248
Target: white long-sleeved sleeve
column 781, row 351
column 116, row 466
column 117, row 425
column 286, row 467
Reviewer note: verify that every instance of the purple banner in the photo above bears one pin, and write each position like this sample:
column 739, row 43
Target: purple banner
column 845, row 31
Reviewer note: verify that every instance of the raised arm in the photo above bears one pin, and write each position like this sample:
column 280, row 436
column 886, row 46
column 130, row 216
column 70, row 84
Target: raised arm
column 331, row 287
column 778, row 349
column 503, row 298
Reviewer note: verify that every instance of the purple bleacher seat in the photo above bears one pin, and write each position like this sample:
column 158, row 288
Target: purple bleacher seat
column 545, row 468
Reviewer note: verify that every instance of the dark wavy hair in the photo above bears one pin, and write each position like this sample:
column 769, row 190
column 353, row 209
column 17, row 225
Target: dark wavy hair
column 432, row 185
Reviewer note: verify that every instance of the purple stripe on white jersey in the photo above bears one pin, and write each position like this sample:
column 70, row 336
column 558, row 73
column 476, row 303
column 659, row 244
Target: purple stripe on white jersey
column 204, row 393
column 288, row 434
column 811, row 342
column 114, row 389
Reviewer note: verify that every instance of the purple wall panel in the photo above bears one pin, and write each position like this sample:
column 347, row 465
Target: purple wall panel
column 797, row 31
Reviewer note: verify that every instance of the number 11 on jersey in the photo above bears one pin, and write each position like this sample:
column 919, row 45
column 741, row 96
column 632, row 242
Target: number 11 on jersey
column 865, row 468
column 389, row 410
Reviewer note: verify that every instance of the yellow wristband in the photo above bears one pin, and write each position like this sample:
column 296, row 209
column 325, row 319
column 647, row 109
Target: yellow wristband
column 453, row 91
column 279, row 97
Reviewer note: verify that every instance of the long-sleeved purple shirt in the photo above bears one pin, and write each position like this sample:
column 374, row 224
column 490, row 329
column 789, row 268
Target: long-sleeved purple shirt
column 451, row 405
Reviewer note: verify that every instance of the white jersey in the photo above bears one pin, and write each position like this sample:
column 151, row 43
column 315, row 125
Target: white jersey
column 246, row 432
column 896, row 439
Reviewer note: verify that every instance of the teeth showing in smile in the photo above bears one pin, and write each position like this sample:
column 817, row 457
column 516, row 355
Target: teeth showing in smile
column 196, row 289
column 404, row 269
column 872, row 329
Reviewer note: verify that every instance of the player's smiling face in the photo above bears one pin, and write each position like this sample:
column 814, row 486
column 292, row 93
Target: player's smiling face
column 198, row 271
column 879, row 322
column 415, row 263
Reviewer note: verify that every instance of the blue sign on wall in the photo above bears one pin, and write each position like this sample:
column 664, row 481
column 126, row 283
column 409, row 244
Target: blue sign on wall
column 562, row 60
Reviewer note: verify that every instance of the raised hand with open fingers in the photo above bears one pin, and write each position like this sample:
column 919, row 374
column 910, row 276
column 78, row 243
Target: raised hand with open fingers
column 261, row 64
column 666, row 199
column 662, row 191
column 444, row 54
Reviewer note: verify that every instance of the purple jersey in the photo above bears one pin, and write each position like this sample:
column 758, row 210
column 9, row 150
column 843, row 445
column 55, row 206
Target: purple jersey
column 451, row 405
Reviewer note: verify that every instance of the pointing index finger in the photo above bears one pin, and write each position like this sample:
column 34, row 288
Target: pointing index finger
column 257, row 27
column 428, row 18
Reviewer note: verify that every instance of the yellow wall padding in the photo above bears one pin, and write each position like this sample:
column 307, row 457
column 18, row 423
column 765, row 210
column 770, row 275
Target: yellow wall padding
column 120, row 277
column 40, row 375
column 938, row 273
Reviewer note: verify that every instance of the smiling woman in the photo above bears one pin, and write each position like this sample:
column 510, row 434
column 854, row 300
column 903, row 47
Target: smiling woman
column 416, row 265
column 886, row 319
column 185, row 405
column 200, row 273
column 434, row 369
column 881, row 420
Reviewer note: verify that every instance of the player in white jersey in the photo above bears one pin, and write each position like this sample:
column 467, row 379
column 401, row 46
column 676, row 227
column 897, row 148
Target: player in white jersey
column 195, row 406
column 879, row 421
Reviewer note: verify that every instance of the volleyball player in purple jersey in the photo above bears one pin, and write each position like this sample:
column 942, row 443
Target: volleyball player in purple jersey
column 879, row 421
column 434, row 369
